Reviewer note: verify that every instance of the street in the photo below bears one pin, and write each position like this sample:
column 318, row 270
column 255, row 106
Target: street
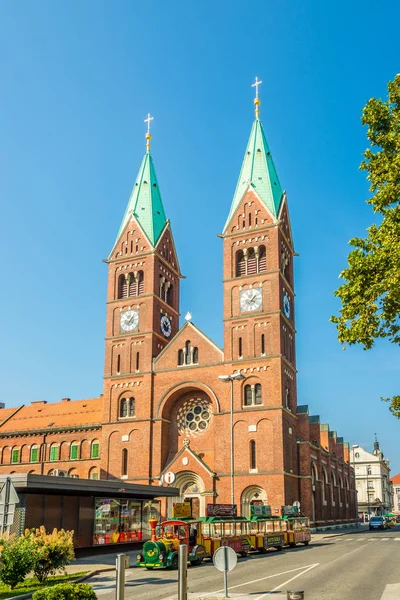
column 363, row 565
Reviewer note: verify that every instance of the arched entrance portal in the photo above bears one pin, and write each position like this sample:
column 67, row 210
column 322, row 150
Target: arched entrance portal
column 191, row 488
column 252, row 495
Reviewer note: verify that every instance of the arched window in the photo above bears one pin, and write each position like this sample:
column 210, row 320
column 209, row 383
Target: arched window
column 95, row 449
column 258, row 397
column 34, row 454
column 15, row 455
column 180, row 357
column 240, row 264
column 122, row 286
column 132, row 285
column 170, row 295
column 131, row 407
column 140, row 283
column 251, row 262
column 118, row 364
column 287, row 398
column 123, row 408
column 240, row 348
column 195, row 355
column 262, row 260
column 253, row 455
column 124, row 470
column 54, row 452
column 188, row 353
column 93, row 473
column 262, row 344
column 248, row 395
column 74, row 451
column 137, row 361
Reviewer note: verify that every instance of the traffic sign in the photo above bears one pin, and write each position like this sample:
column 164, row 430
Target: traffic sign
column 225, row 559
column 169, row 477
column 8, row 500
column 297, row 504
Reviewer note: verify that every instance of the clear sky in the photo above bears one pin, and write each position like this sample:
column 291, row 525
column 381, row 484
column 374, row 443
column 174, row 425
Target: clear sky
column 78, row 79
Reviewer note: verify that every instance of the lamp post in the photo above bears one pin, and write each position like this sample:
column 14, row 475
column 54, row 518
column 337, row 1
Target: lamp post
column 354, row 446
column 230, row 379
column 368, row 470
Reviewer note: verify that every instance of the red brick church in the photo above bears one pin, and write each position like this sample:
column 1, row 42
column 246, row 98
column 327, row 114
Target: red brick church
column 224, row 423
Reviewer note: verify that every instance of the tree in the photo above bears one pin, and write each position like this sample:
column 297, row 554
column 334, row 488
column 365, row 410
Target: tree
column 50, row 551
column 16, row 559
column 370, row 296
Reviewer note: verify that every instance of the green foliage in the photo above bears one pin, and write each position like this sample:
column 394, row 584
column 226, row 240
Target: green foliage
column 16, row 560
column 66, row 591
column 370, row 296
column 50, row 551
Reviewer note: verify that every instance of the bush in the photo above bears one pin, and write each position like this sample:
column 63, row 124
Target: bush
column 50, row 551
column 66, row 591
column 16, row 560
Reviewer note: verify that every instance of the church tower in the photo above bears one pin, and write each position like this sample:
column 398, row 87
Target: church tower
column 259, row 326
column 142, row 308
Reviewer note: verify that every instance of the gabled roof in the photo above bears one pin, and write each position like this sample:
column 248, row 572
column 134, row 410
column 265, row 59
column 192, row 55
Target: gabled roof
column 188, row 325
column 258, row 171
column 145, row 202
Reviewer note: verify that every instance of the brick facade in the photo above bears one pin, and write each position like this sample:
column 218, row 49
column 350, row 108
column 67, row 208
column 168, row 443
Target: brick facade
column 164, row 407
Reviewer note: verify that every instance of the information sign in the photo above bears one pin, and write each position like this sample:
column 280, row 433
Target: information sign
column 169, row 477
column 221, row 510
column 290, row 511
column 260, row 510
column 182, row 510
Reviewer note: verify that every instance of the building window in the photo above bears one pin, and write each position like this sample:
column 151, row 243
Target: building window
column 357, row 455
column 127, row 408
column 54, row 452
column 34, row 454
column 180, row 357
column 124, row 462
column 240, row 348
column 262, row 344
column 252, row 395
column 94, row 473
column 252, row 262
column 74, row 452
column 15, row 456
column 369, row 471
column 122, row 286
column 262, row 260
column 240, row 264
column 137, row 361
column 195, row 356
column 253, row 455
column 188, row 353
column 118, row 364
column 95, row 449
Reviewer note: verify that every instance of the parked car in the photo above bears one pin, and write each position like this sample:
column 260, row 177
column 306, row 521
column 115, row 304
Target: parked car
column 377, row 523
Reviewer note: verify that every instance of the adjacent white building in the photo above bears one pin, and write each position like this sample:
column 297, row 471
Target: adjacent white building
column 374, row 489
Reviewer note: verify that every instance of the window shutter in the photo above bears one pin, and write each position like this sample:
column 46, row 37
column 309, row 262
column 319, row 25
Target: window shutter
column 74, row 452
column 95, row 450
column 15, row 456
column 251, row 262
column 34, row 454
column 262, row 261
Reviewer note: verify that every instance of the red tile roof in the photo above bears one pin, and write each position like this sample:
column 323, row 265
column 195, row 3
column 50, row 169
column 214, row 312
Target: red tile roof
column 396, row 479
column 40, row 415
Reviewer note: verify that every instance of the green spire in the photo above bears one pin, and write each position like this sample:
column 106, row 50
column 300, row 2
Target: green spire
column 145, row 202
column 258, row 169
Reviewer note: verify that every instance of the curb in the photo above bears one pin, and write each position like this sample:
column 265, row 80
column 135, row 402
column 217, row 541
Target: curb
column 78, row 580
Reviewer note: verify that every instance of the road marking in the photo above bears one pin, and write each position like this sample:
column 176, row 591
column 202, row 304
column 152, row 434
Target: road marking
column 397, row 539
column 307, row 567
column 279, row 587
column 384, row 539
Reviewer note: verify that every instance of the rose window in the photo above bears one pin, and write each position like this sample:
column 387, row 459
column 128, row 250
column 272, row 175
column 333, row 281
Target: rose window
column 194, row 416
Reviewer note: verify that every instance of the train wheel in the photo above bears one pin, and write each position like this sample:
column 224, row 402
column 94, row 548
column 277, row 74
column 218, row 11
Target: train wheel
column 262, row 550
column 306, row 543
column 197, row 562
column 174, row 562
column 279, row 548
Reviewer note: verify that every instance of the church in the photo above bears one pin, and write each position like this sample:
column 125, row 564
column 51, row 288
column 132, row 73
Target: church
column 222, row 425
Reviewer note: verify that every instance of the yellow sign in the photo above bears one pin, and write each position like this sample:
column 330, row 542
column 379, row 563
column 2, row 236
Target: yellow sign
column 182, row 510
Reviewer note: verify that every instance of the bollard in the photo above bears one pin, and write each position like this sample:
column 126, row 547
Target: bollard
column 182, row 572
column 295, row 595
column 121, row 562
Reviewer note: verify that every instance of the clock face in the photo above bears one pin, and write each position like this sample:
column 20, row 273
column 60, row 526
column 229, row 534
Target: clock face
column 129, row 320
column 165, row 325
column 250, row 300
column 286, row 306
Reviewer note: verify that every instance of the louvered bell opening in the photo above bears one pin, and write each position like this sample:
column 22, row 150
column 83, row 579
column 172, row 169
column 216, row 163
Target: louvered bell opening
column 140, row 283
column 262, row 261
column 251, row 263
column 170, row 295
column 240, row 264
column 122, row 287
column 133, row 288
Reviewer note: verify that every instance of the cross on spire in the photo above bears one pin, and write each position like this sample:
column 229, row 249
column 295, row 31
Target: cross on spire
column 257, row 100
column 148, row 134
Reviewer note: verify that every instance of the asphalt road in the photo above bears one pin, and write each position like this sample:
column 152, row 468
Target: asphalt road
column 362, row 565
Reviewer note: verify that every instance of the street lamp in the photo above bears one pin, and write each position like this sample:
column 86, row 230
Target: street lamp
column 354, row 446
column 230, row 379
column 368, row 470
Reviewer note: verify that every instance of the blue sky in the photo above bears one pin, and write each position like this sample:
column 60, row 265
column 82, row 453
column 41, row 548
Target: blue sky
column 77, row 80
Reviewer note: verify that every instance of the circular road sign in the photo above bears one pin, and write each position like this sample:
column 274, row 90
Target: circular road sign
column 225, row 558
column 169, row 477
